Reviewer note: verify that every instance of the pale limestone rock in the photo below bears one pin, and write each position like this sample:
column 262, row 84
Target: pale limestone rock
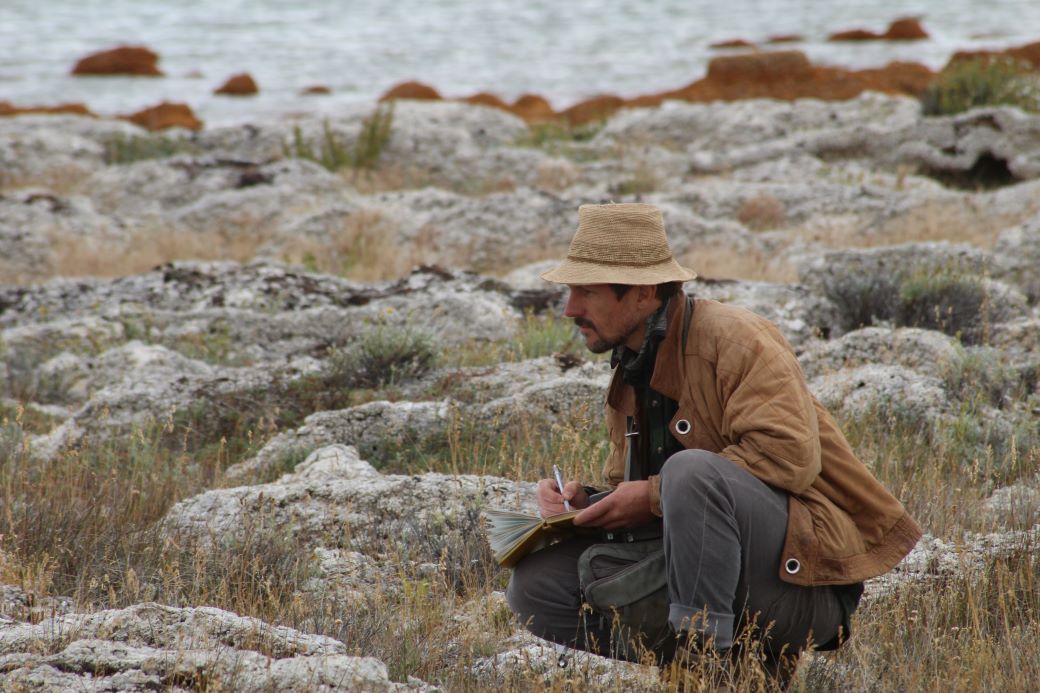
column 150, row 645
column 927, row 352
column 886, row 390
column 333, row 490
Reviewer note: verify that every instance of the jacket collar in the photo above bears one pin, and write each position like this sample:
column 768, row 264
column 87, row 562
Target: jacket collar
column 665, row 379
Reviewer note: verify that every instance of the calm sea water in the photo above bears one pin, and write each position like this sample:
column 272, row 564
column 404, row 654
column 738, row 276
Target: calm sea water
column 564, row 49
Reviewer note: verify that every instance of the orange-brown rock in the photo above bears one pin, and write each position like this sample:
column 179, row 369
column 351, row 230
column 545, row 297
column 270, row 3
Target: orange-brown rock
column 785, row 38
column 854, row 35
column 594, row 109
column 241, row 84
column 316, row 89
column 789, row 75
column 411, row 90
column 9, row 109
column 124, row 60
column 533, row 108
column 647, row 100
column 166, row 115
column 1028, row 54
column 486, row 98
column 905, row 29
column 732, row 43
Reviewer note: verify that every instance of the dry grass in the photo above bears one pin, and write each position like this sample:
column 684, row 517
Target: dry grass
column 751, row 264
column 88, row 531
column 366, row 248
column 953, row 221
column 761, row 212
column 143, row 250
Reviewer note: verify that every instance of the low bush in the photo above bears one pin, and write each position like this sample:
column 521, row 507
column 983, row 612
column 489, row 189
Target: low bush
column 973, row 83
column 945, row 300
column 383, row 355
column 864, row 299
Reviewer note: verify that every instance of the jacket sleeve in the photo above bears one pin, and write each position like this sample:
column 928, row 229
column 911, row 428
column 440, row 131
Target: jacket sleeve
column 767, row 409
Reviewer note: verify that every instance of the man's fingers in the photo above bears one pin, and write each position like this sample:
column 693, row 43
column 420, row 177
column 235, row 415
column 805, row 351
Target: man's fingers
column 592, row 515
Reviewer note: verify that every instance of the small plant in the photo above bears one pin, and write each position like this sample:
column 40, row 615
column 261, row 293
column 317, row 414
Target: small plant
column 972, row 83
column 333, row 153
column 945, row 300
column 864, row 299
column 126, row 149
column 384, row 355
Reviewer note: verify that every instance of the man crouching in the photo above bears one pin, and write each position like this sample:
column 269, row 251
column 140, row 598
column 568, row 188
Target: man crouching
column 736, row 509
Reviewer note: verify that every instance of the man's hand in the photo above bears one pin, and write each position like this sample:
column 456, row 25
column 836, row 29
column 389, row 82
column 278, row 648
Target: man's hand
column 550, row 500
column 627, row 506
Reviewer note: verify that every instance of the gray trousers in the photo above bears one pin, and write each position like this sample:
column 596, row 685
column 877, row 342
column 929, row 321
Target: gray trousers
column 724, row 532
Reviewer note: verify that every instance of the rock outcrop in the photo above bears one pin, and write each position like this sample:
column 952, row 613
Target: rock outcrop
column 241, row 84
column 124, row 60
column 166, row 115
column 151, row 646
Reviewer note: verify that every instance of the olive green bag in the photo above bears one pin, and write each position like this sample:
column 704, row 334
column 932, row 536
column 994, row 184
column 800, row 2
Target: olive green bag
column 625, row 584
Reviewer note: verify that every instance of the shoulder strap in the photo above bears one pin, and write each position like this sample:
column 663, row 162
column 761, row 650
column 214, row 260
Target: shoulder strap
column 687, row 316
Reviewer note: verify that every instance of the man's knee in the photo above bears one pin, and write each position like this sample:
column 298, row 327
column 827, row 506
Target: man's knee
column 693, row 467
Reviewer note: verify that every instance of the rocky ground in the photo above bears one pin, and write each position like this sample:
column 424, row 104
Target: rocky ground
column 898, row 254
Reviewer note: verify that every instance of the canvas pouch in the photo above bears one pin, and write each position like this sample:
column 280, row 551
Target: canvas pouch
column 624, row 582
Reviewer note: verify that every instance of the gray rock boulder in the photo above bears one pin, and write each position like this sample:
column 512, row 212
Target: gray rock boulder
column 37, row 227
column 55, row 151
column 800, row 313
column 927, row 352
column 150, row 646
column 882, row 390
column 378, row 430
column 334, row 491
column 201, row 193
column 490, row 231
column 1017, row 257
column 137, row 385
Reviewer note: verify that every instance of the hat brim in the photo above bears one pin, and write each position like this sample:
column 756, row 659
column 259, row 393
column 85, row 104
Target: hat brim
column 577, row 272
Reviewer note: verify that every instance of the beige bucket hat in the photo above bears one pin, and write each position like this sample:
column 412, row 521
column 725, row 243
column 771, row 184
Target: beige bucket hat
column 619, row 244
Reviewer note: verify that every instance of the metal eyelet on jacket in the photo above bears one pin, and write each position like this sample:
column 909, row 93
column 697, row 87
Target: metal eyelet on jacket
column 682, row 427
column 792, row 566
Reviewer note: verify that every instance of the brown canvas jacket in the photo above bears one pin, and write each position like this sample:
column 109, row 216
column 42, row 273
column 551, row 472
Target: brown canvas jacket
column 740, row 387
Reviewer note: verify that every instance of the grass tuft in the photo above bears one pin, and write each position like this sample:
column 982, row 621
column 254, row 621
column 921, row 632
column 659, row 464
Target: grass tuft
column 334, row 154
column 974, row 83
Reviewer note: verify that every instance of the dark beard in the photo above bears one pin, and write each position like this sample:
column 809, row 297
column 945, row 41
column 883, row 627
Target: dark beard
column 601, row 345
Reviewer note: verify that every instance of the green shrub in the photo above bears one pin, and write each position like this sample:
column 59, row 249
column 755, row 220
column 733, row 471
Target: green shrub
column 384, row 355
column 973, row 83
column 864, row 299
column 945, row 300
column 333, row 153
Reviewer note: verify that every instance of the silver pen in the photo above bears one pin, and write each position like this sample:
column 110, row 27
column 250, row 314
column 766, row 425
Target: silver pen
column 559, row 485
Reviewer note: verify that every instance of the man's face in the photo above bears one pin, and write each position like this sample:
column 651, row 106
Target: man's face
column 605, row 320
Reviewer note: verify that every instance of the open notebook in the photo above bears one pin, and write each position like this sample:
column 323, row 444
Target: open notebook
column 513, row 535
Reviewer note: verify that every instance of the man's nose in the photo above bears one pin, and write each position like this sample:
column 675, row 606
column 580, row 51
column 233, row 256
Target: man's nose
column 573, row 309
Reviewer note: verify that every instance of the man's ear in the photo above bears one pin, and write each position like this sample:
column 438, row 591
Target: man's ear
column 647, row 293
